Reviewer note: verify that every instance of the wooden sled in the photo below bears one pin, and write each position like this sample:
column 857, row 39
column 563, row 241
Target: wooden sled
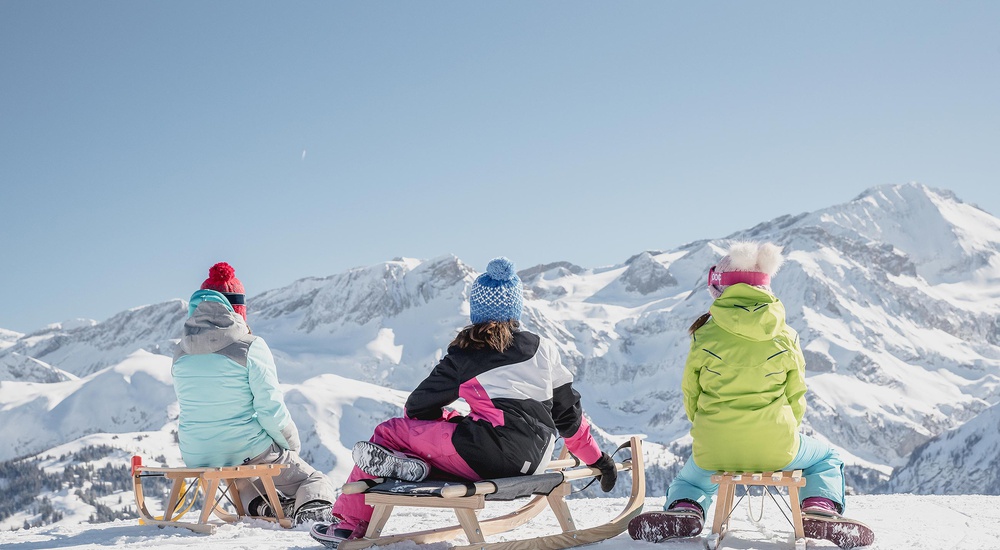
column 727, row 492
column 218, row 483
column 549, row 490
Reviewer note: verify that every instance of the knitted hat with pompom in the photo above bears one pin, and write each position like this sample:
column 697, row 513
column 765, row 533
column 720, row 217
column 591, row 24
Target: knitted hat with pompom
column 222, row 278
column 747, row 262
column 496, row 295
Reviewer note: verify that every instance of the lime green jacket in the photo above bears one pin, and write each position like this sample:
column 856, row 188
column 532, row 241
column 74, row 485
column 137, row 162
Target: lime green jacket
column 744, row 384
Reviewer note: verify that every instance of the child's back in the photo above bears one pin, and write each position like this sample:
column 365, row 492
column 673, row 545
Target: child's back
column 744, row 384
column 744, row 393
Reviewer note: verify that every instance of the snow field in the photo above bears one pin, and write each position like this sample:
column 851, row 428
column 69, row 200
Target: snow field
column 901, row 522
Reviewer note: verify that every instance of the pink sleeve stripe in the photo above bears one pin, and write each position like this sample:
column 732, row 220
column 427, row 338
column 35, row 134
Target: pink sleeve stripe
column 582, row 444
column 480, row 405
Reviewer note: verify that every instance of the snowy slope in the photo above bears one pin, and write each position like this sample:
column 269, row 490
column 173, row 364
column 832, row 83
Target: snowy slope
column 135, row 395
column 900, row 522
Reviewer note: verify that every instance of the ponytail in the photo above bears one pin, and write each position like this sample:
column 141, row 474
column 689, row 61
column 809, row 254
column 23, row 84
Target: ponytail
column 698, row 323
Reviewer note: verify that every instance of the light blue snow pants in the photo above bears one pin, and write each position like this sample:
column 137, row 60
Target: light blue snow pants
column 820, row 464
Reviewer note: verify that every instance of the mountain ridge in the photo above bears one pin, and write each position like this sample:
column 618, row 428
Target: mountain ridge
column 890, row 292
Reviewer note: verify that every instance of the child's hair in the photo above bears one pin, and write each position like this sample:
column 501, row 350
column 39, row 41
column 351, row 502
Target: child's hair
column 697, row 324
column 498, row 335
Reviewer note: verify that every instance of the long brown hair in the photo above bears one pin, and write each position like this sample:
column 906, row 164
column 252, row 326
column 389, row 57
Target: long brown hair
column 698, row 323
column 498, row 335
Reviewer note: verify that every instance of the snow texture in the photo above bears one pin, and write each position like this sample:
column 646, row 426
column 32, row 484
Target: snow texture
column 899, row 521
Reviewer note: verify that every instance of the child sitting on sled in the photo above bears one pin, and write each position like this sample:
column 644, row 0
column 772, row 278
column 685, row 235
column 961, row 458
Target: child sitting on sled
column 520, row 397
column 744, row 393
column 232, row 411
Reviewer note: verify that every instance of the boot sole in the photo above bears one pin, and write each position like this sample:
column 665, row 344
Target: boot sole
column 376, row 460
column 845, row 533
column 661, row 526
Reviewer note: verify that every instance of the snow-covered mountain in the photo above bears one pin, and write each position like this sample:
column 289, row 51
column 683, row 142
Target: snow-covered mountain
column 960, row 461
column 8, row 338
column 81, row 347
column 385, row 323
column 895, row 294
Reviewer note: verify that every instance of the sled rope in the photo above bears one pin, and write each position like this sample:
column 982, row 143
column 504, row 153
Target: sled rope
column 750, row 506
column 780, row 503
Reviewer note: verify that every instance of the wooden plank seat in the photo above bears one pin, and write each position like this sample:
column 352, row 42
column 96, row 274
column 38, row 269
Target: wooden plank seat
column 548, row 490
column 218, row 486
column 792, row 480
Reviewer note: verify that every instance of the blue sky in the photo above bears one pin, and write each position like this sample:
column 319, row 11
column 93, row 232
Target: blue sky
column 140, row 142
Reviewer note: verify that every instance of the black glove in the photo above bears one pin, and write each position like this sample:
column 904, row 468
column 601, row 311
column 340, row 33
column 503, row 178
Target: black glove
column 609, row 472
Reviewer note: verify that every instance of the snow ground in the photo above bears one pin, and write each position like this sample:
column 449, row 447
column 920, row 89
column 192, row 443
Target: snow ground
column 901, row 522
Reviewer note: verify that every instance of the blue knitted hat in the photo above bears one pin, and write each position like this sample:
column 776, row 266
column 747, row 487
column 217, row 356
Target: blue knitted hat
column 496, row 295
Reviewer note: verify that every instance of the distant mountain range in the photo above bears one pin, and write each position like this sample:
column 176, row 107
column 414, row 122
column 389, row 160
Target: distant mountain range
column 895, row 294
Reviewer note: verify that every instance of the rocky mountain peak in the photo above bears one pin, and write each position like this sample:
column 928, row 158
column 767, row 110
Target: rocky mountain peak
column 645, row 275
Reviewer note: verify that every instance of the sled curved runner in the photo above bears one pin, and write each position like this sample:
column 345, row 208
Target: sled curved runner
column 550, row 490
column 218, row 484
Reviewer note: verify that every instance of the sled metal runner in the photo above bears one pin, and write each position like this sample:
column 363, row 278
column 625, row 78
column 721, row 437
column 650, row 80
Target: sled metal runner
column 219, row 486
column 727, row 492
column 466, row 499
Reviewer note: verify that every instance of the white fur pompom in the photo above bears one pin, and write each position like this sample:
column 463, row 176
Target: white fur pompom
column 769, row 258
column 743, row 256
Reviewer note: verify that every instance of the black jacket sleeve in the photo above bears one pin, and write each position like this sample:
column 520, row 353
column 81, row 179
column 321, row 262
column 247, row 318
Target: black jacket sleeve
column 566, row 410
column 440, row 388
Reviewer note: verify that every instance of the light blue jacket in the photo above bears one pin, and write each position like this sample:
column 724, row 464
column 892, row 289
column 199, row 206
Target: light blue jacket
column 231, row 408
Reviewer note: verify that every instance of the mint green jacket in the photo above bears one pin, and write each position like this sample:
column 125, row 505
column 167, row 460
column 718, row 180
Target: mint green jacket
column 231, row 406
column 744, row 384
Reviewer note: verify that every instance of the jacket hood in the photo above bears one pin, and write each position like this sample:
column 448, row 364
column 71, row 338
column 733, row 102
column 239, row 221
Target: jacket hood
column 749, row 312
column 212, row 324
column 200, row 296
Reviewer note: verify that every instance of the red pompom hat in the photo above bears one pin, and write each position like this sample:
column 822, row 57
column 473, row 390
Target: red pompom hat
column 222, row 278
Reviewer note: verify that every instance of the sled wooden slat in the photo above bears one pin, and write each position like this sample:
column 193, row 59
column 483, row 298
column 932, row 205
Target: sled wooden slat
column 476, row 530
column 475, row 502
column 728, row 481
column 219, row 484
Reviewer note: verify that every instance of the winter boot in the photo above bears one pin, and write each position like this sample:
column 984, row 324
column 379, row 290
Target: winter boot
column 821, row 520
column 260, row 507
column 379, row 461
column 314, row 510
column 683, row 519
column 329, row 535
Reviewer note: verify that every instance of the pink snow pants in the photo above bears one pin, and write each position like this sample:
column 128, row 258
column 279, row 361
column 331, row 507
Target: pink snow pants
column 429, row 440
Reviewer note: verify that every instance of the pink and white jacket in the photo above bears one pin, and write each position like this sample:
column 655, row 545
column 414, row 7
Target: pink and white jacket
column 519, row 400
